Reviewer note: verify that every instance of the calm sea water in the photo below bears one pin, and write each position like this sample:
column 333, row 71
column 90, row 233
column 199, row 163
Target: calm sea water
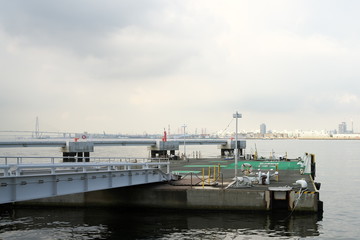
column 338, row 170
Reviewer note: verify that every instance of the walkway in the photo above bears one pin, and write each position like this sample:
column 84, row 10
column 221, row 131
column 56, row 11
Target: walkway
column 21, row 181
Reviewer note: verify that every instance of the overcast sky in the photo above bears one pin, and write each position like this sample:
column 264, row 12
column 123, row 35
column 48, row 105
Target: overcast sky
column 139, row 66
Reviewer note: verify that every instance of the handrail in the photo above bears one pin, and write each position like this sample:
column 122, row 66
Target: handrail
column 19, row 159
column 14, row 169
column 64, row 165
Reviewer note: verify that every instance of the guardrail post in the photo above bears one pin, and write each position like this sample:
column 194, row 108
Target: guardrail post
column 222, row 180
column 214, row 174
column 209, row 174
column 6, row 172
column 191, row 179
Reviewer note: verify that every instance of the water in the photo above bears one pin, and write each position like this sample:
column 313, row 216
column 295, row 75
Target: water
column 338, row 170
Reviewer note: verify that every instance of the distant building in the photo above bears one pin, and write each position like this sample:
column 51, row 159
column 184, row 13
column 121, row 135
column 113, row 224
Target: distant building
column 342, row 128
column 263, row 129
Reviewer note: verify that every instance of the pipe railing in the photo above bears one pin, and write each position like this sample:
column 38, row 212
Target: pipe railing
column 103, row 163
column 20, row 160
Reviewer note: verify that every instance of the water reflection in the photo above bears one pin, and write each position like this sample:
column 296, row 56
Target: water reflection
column 71, row 223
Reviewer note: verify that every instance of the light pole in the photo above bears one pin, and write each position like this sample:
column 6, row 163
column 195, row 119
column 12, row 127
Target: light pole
column 236, row 115
column 184, row 126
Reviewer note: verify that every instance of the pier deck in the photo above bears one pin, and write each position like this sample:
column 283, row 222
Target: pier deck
column 289, row 173
column 190, row 193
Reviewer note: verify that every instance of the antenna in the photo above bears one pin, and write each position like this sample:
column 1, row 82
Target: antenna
column 184, row 126
column 37, row 128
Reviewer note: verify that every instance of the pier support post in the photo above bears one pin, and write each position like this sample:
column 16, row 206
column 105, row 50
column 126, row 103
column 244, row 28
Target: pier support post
column 87, row 156
column 159, row 153
column 229, row 148
column 77, row 151
column 161, row 148
column 79, row 156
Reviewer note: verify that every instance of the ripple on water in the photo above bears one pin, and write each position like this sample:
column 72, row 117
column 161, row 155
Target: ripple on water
column 60, row 232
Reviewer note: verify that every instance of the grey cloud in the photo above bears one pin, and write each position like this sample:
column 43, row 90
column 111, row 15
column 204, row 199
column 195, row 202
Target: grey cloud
column 275, row 103
column 83, row 31
column 70, row 16
column 334, row 19
column 73, row 24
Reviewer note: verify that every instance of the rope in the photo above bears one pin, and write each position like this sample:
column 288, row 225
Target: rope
column 232, row 119
column 296, row 202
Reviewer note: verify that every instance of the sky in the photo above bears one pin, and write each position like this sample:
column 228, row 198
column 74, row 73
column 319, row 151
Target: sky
column 141, row 66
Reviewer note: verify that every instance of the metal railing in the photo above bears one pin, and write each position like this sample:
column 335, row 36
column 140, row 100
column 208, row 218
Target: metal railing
column 37, row 159
column 16, row 166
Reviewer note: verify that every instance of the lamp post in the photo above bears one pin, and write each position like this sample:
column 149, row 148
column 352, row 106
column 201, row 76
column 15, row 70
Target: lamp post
column 184, row 126
column 236, row 115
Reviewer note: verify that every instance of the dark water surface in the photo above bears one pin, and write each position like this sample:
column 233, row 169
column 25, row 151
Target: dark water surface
column 338, row 170
column 67, row 223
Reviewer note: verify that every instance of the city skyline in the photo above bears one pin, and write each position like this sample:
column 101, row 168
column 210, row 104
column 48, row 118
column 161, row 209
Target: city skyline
column 263, row 130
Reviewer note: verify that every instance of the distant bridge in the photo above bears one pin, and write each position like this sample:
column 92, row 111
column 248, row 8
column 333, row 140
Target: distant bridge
column 82, row 147
column 122, row 142
column 21, row 181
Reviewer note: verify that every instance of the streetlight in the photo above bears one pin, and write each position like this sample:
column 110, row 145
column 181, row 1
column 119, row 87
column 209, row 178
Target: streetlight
column 236, row 115
column 184, row 126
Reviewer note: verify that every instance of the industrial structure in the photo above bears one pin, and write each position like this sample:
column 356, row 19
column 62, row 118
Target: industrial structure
column 77, row 179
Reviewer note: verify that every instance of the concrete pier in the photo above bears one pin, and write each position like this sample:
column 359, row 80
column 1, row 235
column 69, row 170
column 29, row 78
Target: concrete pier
column 161, row 148
column 166, row 196
column 77, row 151
column 228, row 149
column 203, row 186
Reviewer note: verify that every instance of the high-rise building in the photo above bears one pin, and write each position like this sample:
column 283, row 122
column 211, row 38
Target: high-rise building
column 263, row 129
column 342, row 128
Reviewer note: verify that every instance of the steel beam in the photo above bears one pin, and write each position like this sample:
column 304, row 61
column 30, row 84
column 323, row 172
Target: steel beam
column 28, row 187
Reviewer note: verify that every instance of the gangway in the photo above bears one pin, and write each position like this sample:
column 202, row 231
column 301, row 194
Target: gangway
column 21, row 181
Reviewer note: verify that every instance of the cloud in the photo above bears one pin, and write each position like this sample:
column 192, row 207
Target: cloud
column 347, row 98
column 97, row 65
column 67, row 22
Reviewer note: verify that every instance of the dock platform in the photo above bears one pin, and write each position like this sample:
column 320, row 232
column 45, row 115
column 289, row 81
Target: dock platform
column 204, row 184
column 288, row 173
